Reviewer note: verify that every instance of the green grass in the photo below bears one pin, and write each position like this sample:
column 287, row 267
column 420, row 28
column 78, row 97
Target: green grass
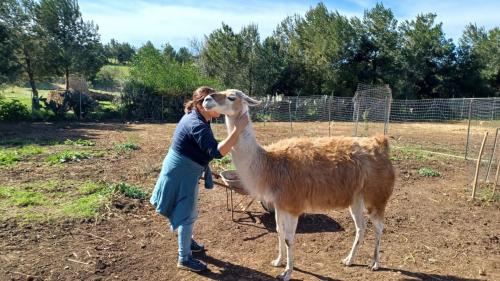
column 57, row 199
column 44, row 201
column 22, row 198
column 9, row 156
column 86, row 206
column 126, row 147
column 68, row 156
column 224, row 163
column 91, row 187
column 23, row 94
column 485, row 193
column 428, row 172
column 122, row 71
column 30, row 150
column 410, row 153
column 79, row 142
column 130, row 191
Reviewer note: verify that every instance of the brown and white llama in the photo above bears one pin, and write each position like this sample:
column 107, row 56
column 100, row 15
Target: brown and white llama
column 301, row 175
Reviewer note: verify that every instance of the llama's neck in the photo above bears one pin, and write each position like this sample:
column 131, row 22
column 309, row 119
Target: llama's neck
column 247, row 156
column 247, row 145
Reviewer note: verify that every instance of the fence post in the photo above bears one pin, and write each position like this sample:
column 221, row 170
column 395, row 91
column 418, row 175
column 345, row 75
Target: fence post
column 330, row 114
column 492, row 154
column 355, row 117
column 162, row 108
column 468, row 129
column 290, row 114
column 387, row 114
column 493, row 110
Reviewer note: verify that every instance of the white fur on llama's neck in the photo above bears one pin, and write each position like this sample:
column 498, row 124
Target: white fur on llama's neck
column 247, row 157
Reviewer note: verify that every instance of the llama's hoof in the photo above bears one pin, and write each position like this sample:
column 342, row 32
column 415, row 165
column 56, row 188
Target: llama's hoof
column 374, row 265
column 285, row 275
column 277, row 263
column 347, row 261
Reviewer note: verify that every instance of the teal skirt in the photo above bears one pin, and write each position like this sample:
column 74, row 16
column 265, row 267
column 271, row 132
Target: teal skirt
column 176, row 191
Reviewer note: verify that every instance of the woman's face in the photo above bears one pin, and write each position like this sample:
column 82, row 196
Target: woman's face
column 211, row 113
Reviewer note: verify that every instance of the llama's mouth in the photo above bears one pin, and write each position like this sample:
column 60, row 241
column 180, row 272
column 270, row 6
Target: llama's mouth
column 208, row 105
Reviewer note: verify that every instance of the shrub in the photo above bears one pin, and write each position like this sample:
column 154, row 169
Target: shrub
column 126, row 147
column 67, row 156
column 79, row 142
column 428, row 172
column 13, row 110
column 130, row 191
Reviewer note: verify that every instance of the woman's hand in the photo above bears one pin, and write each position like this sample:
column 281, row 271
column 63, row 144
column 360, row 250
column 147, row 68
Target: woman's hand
column 227, row 144
column 241, row 123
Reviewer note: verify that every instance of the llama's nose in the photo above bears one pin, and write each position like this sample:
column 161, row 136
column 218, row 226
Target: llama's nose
column 209, row 98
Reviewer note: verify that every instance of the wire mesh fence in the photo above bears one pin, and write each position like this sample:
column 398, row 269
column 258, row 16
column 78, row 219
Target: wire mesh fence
column 451, row 126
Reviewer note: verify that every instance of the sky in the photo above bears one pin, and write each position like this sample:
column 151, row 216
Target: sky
column 179, row 22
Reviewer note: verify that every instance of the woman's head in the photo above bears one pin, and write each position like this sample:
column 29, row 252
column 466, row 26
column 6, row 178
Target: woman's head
column 197, row 101
column 198, row 96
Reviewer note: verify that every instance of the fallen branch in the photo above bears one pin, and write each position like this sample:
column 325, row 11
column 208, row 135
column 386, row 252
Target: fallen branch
column 95, row 236
column 85, row 263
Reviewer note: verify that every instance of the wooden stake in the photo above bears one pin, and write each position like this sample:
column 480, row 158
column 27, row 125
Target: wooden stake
column 496, row 181
column 477, row 166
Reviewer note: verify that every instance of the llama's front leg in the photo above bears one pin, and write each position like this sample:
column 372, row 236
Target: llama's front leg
column 356, row 210
column 290, row 225
column 281, row 239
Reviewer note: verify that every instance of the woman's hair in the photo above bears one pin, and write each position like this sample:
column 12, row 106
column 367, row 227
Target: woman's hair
column 198, row 97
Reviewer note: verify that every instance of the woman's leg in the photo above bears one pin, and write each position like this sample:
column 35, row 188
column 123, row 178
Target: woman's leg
column 184, row 239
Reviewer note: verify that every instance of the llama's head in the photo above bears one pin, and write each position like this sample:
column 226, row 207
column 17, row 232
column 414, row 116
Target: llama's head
column 232, row 103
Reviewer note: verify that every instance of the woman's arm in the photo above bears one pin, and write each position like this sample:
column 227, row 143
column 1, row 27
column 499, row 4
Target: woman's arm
column 204, row 137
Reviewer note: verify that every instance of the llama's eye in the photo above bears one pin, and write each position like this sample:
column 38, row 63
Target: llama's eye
column 231, row 98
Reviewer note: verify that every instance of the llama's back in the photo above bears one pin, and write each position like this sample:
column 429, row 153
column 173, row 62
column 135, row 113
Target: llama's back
column 309, row 174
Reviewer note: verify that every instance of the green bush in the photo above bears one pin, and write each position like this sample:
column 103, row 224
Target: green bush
column 79, row 142
column 13, row 110
column 428, row 172
column 8, row 157
column 126, row 147
column 67, row 156
column 130, row 191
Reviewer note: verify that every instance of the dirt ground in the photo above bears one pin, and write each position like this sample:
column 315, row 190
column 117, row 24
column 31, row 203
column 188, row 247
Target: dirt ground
column 432, row 231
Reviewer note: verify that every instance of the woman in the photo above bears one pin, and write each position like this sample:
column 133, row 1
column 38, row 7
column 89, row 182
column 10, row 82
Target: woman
column 176, row 191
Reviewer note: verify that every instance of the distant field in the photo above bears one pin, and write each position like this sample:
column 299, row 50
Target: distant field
column 23, row 94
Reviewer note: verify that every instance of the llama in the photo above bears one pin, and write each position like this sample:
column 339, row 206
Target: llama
column 301, row 175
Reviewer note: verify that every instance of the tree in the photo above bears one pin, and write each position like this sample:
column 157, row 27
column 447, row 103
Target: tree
column 26, row 45
column 184, row 56
column 120, row 52
column 165, row 75
column 377, row 53
column 426, row 56
column 9, row 68
column 76, row 42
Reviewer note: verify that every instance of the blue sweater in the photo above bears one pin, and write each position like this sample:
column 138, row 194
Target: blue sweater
column 194, row 139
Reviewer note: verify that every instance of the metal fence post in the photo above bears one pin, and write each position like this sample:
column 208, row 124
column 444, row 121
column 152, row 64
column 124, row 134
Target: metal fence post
column 493, row 110
column 162, row 108
column 468, row 129
column 290, row 114
column 355, row 117
column 330, row 115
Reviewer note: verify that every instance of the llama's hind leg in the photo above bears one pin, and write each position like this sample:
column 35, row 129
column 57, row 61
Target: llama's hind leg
column 356, row 210
column 289, row 227
column 378, row 223
column 281, row 239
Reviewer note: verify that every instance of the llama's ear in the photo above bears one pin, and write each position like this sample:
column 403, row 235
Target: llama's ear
column 250, row 101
